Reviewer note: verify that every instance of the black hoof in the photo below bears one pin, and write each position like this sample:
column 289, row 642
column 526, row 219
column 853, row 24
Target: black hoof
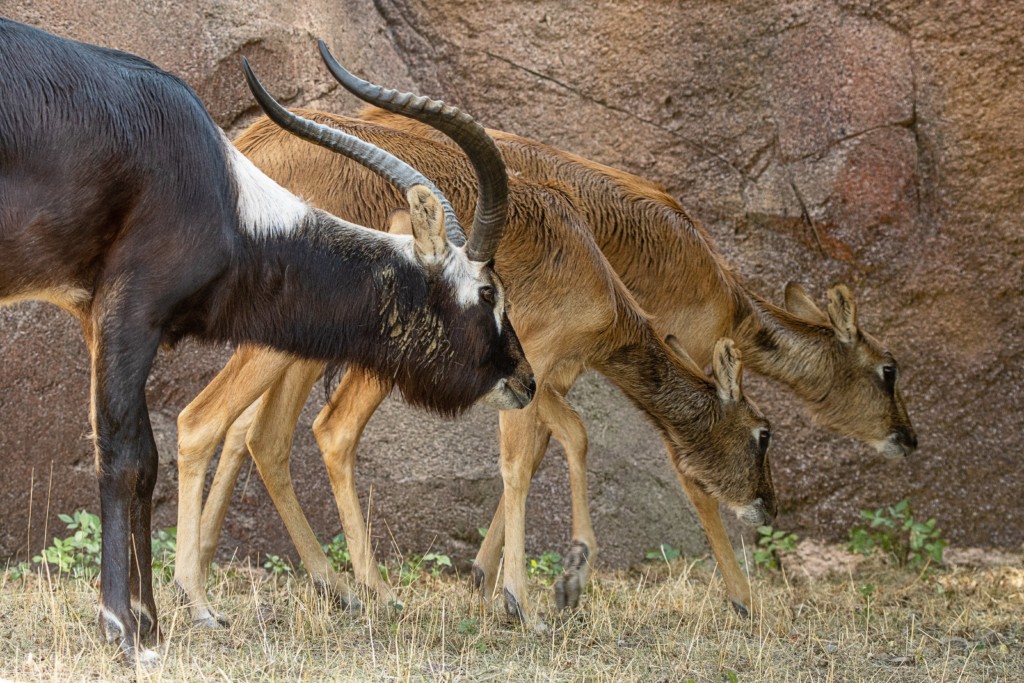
column 479, row 578
column 741, row 609
column 567, row 591
column 512, row 607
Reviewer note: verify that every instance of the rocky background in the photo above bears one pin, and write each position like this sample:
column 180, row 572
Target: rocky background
column 875, row 143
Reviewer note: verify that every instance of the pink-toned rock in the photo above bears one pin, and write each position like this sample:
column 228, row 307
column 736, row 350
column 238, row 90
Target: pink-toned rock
column 878, row 144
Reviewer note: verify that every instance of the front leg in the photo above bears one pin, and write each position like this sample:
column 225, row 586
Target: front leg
column 201, row 427
column 568, row 430
column 518, row 446
column 488, row 558
column 736, row 584
column 338, row 429
column 126, row 459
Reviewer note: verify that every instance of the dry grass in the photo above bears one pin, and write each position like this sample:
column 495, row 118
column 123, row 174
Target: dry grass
column 663, row 624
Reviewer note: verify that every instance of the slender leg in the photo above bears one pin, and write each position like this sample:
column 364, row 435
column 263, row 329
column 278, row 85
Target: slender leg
column 122, row 354
column 201, row 427
column 568, row 430
column 269, row 441
column 233, row 455
column 488, row 558
column 519, row 432
column 736, row 584
column 338, row 429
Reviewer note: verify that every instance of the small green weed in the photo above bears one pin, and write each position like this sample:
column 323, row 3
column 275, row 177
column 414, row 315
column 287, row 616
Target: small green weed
column 165, row 544
column 894, row 533
column 664, row 552
column 277, row 565
column 547, row 566
column 79, row 553
column 772, row 544
column 337, row 552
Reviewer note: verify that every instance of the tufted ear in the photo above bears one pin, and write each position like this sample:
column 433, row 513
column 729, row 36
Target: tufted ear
column 842, row 310
column 800, row 304
column 678, row 350
column 400, row 222
column 728, row 370
column 427, row 220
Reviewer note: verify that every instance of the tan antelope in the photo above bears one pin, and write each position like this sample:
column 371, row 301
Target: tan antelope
column 571, row 312
column 845, row 377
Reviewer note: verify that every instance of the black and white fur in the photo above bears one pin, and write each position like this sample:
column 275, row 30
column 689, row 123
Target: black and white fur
column 124, row 204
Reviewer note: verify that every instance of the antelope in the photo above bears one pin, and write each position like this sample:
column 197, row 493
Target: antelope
column 845, row 377
column 126, row 206
column 571, row 312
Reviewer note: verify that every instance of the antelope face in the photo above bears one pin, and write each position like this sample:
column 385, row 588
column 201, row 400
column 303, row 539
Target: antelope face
column 861, row 397
column 731, row 462
column 469, row 297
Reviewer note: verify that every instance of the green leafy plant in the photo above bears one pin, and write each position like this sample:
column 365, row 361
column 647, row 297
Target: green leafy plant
column 894, row 533
column 165, row 544
column 663, row 552
column 548, row 565
column 277, row 565
column 436, row 563
column 469, row 627
column 337, row 552
column 772, row 544
column 79, row 553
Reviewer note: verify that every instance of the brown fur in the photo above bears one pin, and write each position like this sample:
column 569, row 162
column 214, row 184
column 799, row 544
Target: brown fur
column 670, row 265
column 566, row 324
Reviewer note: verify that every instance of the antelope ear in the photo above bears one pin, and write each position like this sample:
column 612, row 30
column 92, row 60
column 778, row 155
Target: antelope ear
column 800, row 304
column 843, row 312
column 427, row 220
column 400, row 222
column 728, row 370
column 678, row 350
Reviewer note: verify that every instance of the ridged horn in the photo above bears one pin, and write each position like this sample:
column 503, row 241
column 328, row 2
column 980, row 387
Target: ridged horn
column 394, row 170
column 492, row 200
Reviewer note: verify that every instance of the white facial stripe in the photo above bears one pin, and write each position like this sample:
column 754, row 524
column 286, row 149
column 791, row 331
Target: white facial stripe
column 467, row 278
column 264, row 207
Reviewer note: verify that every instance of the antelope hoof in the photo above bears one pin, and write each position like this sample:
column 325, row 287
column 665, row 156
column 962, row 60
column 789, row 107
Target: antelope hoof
column 513, row 609
column 207, row 619
column 145, row 659
column 569, row 585
column 339, row 596
column 567, row 591
column 148, row 624
column 740, row 608
column 113, row 629
column 480, row 581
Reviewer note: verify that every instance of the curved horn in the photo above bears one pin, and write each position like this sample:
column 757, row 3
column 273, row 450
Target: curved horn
column 394, row 170
column 492, row 200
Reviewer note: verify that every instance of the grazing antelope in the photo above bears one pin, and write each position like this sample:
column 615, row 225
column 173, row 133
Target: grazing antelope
column 124, row 204
column 845, row 377
column 571, row 312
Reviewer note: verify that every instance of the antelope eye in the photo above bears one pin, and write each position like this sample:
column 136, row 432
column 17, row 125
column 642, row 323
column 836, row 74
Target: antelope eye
column 487, row 294
column 889, row 374
column 764, row 439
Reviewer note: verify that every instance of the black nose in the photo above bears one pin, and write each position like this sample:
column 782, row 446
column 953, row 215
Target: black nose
column 907, row 438
column 531, row 386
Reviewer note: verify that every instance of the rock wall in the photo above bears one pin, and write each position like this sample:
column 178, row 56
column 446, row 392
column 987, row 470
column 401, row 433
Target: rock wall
column 875, row 143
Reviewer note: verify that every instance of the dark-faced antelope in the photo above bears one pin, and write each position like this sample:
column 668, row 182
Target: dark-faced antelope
column 845, row 377
column 124, row 204
column 571, row 312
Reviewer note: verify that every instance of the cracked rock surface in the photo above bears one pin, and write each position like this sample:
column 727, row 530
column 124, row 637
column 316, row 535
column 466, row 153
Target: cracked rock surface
column 873, row 142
